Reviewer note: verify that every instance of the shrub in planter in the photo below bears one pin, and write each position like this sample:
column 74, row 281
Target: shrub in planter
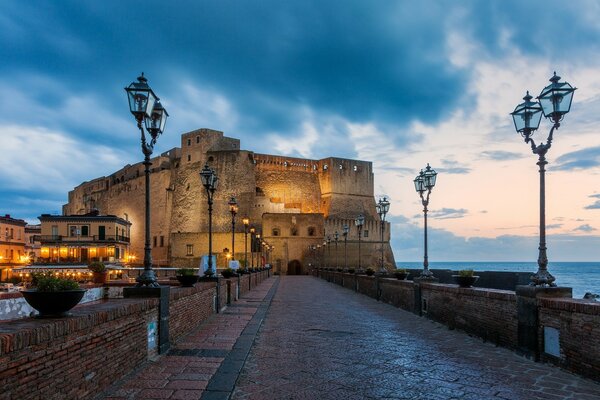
column 370, row 271
column 400, row 273
column 227, row 273
column 53, row 296
column 465, row 278
column 98, row 272
column 186, row 276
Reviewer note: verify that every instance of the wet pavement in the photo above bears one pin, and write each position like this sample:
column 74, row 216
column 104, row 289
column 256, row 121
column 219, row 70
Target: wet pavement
column 299, row 337
column 321, row 341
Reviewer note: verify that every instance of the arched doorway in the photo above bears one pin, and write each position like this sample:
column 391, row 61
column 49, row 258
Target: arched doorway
column 294, row 268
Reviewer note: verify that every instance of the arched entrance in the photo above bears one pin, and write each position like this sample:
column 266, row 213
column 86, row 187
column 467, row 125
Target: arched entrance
column 294, row 268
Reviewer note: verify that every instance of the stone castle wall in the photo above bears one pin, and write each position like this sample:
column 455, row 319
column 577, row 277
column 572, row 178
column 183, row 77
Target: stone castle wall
column 337, row 189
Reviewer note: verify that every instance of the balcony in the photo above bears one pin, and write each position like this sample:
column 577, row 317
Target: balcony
column 81, row 240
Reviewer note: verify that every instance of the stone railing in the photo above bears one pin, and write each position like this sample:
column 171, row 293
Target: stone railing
column 545, row 324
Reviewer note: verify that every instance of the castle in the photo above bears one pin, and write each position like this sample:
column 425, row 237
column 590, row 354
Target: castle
column 294, row 203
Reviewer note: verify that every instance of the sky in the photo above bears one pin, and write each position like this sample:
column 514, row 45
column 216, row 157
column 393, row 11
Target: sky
column 399, row 83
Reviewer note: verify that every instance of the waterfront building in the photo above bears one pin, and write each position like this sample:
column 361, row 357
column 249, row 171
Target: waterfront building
column 12, row 244
column 84, row 238
column 32, row 241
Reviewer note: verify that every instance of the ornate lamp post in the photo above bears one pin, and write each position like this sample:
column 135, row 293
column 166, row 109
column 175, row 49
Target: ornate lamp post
column 554, row 102
column 424, row 182
column 345, row 231
column 318, row 255
column 359, row 222
column 233, row 208
column 210, row 182
column 383, row 206
column 246, row 222
column 328, row 251
column 146, row 108
column 336, row 237
column 252, row 232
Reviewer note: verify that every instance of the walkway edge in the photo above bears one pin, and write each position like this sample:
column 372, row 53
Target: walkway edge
column 222, row 383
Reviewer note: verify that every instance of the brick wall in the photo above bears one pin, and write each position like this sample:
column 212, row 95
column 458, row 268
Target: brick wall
column 398, row 293
column 188, row 307
column 578, row 323
column 77, row 357
column 488, row 313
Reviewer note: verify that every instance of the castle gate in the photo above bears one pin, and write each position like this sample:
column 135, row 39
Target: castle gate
column 294, row 268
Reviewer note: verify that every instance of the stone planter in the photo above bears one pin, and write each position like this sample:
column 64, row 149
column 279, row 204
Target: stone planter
column 465, row 281
column 187, row 280
column 53, row 304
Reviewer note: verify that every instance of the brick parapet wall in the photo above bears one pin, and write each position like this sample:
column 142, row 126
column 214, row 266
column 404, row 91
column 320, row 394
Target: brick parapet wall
column 398, row 293
column 488, row 313
column 74, row 357
column 188, row 307
column 579, row 325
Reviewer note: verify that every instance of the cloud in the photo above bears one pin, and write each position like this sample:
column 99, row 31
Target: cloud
column 585, row 228
column 448, row 213
column 554, row 226
column 580, row 159
column 594, row 206
column 499, row 155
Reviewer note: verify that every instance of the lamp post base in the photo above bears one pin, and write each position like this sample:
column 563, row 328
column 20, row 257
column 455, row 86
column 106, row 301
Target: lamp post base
column 427, row 275
column 147, row 279
column 543, row 278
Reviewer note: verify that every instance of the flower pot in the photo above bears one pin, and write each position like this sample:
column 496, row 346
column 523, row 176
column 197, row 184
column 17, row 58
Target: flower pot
column 187, row 280
column 465, row 281
column 53, row 304
column 99, row 277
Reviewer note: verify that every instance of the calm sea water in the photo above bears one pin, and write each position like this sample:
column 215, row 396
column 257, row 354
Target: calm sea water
column 581, row 276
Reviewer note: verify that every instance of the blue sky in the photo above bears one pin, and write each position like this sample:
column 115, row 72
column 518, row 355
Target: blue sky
column 396, row 82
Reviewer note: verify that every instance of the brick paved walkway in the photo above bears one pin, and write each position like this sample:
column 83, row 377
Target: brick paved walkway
column 321, row 341
column 189, row 370
column 298, row 337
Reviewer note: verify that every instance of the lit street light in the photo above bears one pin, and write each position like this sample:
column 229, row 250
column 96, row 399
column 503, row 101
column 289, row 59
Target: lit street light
column 359, row 222
column 233, row 208
column 424, row 182
column 345, row 231
column 383, row 206
column 146, row 108
column 246, row 222
column 554, row 102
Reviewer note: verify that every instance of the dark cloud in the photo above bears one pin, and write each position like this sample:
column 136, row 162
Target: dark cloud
column 580, row 159
column 554, row 226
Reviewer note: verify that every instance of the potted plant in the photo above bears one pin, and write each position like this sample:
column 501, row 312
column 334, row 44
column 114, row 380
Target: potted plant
column 370, row 271
column 53, row 296
column 186, row 276
column 400, row 274
column 98, row 272
column 465, row 278
column 227, row 273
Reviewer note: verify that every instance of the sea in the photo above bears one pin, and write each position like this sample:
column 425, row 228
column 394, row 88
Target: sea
column 583, row 277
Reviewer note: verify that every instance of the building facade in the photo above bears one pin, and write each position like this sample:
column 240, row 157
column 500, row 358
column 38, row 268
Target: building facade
column 84, row 238
column 12, row 241
column 293, row 203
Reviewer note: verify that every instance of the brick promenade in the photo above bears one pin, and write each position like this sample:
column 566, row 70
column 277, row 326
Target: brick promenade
column 316, row 340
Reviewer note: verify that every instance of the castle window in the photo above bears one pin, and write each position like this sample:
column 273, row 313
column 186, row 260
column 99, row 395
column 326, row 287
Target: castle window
column 154, row 241
column 311, row 231
column 366, row 233
column 197, row 139
column 294, row 231
column 211, row 159
column 341, row 166
column 189, row 249
column 325, row 167
column 355, row 168
column 189, row 142
column 162, row 241
column 275, row 232
column 189, row 157
column 285, row 163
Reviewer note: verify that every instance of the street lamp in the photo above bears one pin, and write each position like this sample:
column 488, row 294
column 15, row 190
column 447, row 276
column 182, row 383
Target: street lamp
column 318, row 256
column 233, row 208
column 146, row 108
column 424, row 182
column 383, row 206
column 336, row 237
column 554, row 102
column 359, row 222
column 246, row 222
column 252, row 232
column 210, row 181
column 329, row 251
column 345, row 231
